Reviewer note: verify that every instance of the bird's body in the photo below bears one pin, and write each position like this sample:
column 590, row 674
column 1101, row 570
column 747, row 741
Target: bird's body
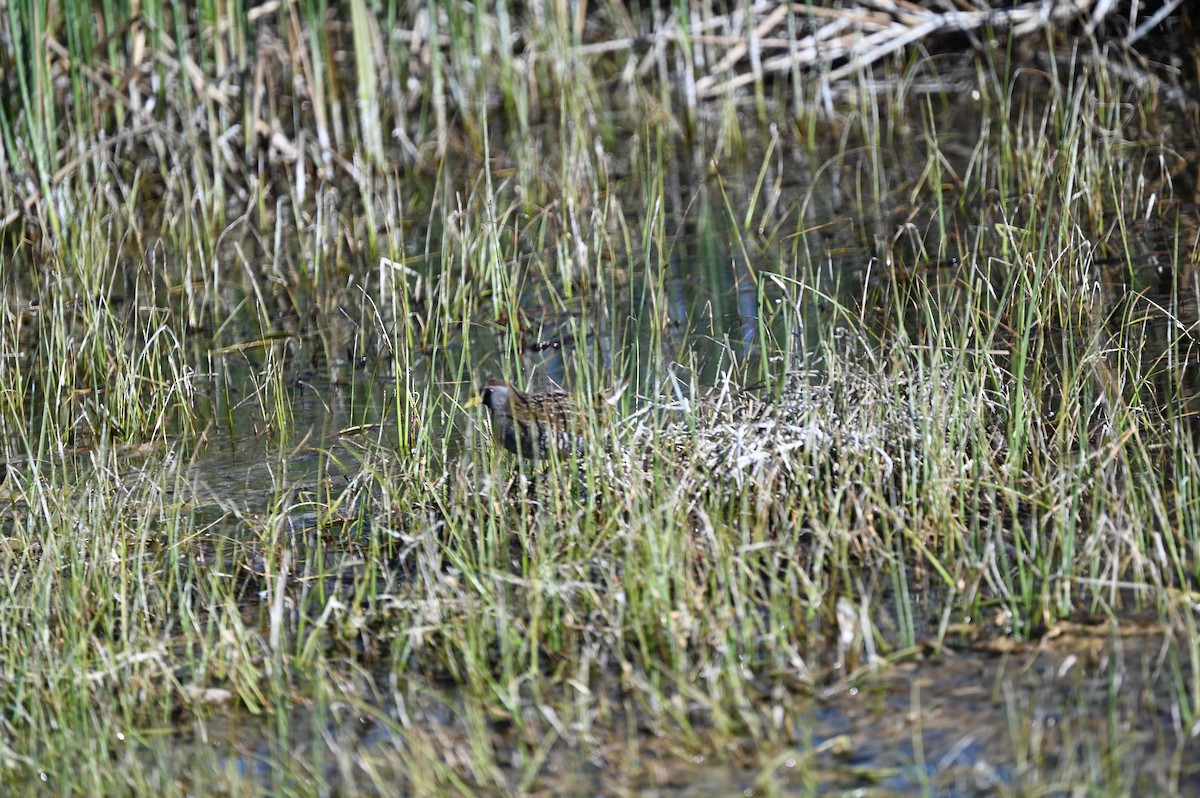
column 530, row 424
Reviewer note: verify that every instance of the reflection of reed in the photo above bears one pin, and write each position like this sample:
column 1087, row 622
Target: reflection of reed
column 747, row 302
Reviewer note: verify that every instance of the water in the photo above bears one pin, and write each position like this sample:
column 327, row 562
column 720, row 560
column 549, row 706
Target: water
column 984, row 715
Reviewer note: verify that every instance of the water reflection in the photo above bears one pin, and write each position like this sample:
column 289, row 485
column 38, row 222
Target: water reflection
column 958, row 723
column 945, row 724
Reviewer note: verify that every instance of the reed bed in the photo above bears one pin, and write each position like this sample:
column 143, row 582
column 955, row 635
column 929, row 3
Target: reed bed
column 257, row 260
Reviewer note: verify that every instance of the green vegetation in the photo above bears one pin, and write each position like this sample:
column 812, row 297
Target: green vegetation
column 884, row 371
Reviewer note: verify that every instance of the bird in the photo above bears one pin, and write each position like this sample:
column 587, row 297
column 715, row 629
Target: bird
column 530, row 424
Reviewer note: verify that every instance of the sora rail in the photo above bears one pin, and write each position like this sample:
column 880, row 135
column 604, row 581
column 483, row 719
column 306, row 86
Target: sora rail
column 530, row 424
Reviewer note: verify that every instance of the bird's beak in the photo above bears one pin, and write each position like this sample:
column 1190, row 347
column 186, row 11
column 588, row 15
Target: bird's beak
column 474, row 400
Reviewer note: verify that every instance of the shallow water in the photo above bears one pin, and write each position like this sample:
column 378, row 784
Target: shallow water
column 981, row 716
column 964, row 721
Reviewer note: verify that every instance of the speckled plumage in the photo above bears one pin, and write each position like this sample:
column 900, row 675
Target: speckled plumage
column 530, row 424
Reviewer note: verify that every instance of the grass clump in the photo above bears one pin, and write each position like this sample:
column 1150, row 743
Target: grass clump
column 898, row 356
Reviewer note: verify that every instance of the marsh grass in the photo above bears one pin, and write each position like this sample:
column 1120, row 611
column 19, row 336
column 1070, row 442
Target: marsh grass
column 955, row 410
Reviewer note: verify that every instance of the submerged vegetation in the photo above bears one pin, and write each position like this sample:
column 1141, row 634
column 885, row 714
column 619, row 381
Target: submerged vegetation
column 879, row 327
